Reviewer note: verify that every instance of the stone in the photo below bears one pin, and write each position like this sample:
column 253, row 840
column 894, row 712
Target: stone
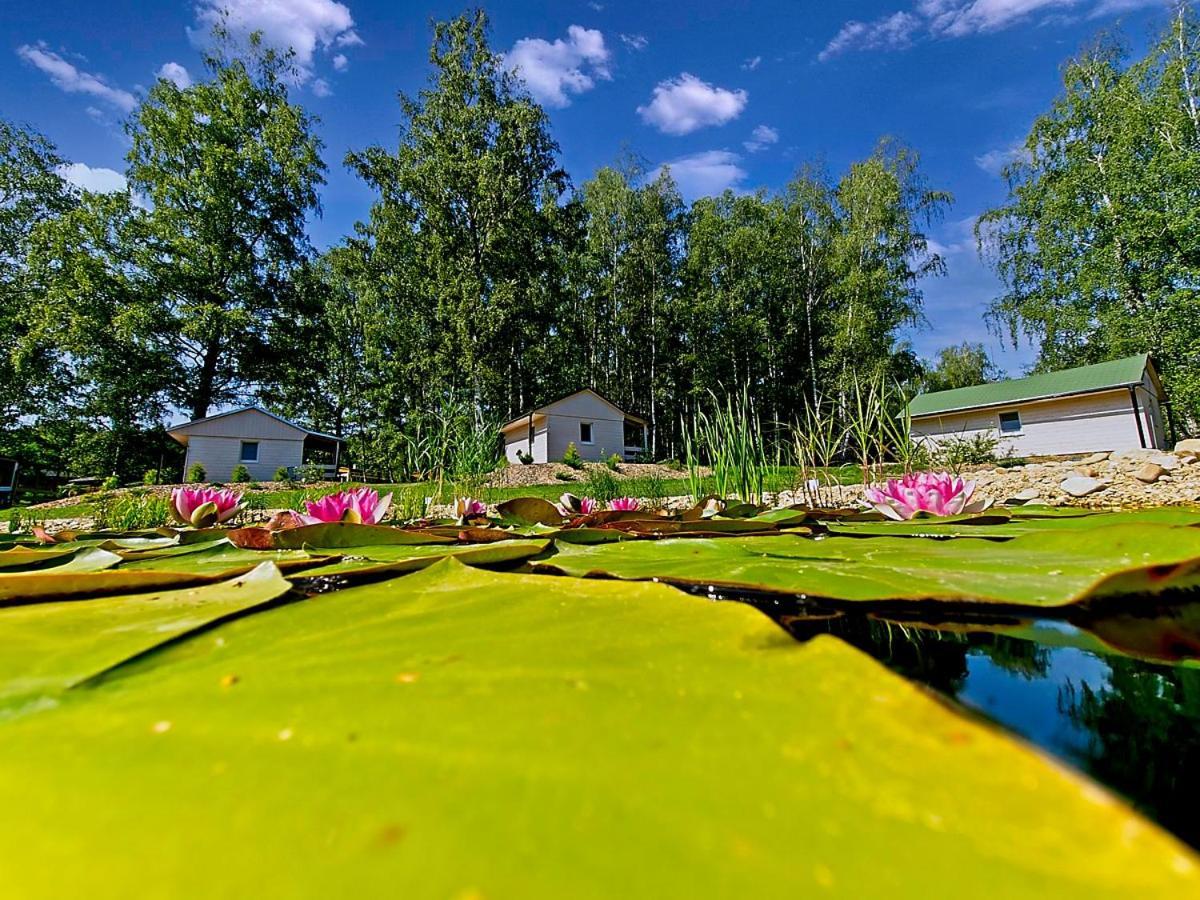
column 1087, row 471
column 1081, row 486
column 1025, row 496
column 1168, row 461
column 1149, row 472
column 1191, row 447
column 1095, row 459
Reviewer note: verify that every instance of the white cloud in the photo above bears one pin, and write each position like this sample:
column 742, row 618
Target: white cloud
column 173, row 71
column 752, row 63
column 552, row 70
column 681, row 105
column 994, row 161
column 98, row 180
column 959, row 18
column 634, row 41
column 67, row 77
column 762, row 137
column 340, row 62
column 705, row 174
column 304, row 26
column 890, row 32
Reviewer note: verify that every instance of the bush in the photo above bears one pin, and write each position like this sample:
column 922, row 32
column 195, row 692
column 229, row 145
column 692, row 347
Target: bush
column 111, row 483
column 150, row 477
column 564, row 476
column 310, row 473
column 196, row 474
column 283, row 473
column 613, row 463
column 958, row 451
column 241, row 475
column 526, row 459
column 571, row 456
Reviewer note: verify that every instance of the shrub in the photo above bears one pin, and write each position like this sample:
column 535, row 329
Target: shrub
column 673, row 464
column 958, row 451
column 111, row 483
column 526, row 459
column 310, row 473
column 150, row 477
column 564, row 476
column 283, row 473
column 196, row 473
column 571, row 456
column 613, row 463
column 241, row 475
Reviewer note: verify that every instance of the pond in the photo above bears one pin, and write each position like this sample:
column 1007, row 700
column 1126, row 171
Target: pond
column 1131, row 720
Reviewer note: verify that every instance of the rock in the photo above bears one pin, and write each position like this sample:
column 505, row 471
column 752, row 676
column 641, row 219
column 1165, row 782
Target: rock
column 1095, row 459
column 1168, row 461
column 1149, row 472
column 1191, row 447
column 1087, row 471
column 1025, row 496
column 999, row 470
column 1081, row 486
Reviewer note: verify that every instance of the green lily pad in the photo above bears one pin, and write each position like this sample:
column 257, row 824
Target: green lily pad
column 397, row 559
column 1046, row 570
column 530, row 511
column 47, row 648
column 224, row 559
column 459, row 733
column 1002, row 528
column 330, row 535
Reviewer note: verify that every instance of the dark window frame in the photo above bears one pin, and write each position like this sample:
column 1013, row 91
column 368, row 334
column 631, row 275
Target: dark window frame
column 242, row 457
column 1014, row 414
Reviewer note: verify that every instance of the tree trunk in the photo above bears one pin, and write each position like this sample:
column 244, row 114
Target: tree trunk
column 206, row 382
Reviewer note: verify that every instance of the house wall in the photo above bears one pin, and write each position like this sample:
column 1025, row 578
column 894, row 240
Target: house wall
column 219, row 455
column 517, row 440
column 1084, row 424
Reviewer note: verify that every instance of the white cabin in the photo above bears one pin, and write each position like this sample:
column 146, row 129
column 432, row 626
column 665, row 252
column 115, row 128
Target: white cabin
column 259, row 440
column 598, row 428
column 1110, row 406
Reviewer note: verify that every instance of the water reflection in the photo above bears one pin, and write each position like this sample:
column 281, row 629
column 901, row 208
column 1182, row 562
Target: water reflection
column 1129, row 717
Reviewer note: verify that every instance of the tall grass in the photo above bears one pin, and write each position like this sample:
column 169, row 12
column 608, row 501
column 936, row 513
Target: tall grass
column 816, row 441
column 131, row 512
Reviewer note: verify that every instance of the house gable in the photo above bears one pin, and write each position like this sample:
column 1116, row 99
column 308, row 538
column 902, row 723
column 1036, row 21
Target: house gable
column 250, row 422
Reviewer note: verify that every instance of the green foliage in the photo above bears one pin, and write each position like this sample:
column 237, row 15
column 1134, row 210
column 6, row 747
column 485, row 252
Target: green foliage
column 613, row 462
column 525, row 458
column 729, row 437
column 959, row 366
column 956, row 451
column 196, row 473
column 282, row 474
column 564, row 476
column 600, row 484
column 571, row 456
column 151, row 477
column 1098, row 244
column 131, row 512
column 310, row 473
column 241, row 475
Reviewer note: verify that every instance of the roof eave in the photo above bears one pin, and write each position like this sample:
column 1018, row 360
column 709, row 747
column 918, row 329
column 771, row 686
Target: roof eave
column 1040, row 398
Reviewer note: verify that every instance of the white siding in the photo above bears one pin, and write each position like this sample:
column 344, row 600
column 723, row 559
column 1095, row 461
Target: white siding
column 1085, row 424
column 219, row 456
column 517, row 440
column 248, row 424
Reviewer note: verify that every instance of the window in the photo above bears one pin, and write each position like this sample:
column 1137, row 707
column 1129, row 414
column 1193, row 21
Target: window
column 249, row 451
column 1010, row 423
column 585, row 432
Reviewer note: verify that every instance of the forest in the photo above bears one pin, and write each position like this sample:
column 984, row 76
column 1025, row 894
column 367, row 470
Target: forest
column 483, row 280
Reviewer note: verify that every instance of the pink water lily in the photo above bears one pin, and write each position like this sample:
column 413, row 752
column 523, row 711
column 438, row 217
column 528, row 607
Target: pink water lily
column 570, row 505
column 204, row 507
column 624, row 504
column 361, row 506
column 936, row 493
column 469, row 508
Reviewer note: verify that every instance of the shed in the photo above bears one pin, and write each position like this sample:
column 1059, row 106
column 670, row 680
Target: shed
column 261, row 441
column 597, row 426
column 1116, row 405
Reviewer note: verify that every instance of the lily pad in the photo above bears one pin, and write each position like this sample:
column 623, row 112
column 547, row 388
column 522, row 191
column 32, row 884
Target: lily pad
column 330, row 535
column 530, row 511
column 1051, row 569
column 459, row 733
column 45, row 649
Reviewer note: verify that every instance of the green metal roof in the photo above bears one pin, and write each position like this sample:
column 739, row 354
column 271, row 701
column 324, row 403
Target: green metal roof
column 1116, row 373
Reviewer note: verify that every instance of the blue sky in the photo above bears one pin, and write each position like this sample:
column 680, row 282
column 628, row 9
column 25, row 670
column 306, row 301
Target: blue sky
column 733, row 93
